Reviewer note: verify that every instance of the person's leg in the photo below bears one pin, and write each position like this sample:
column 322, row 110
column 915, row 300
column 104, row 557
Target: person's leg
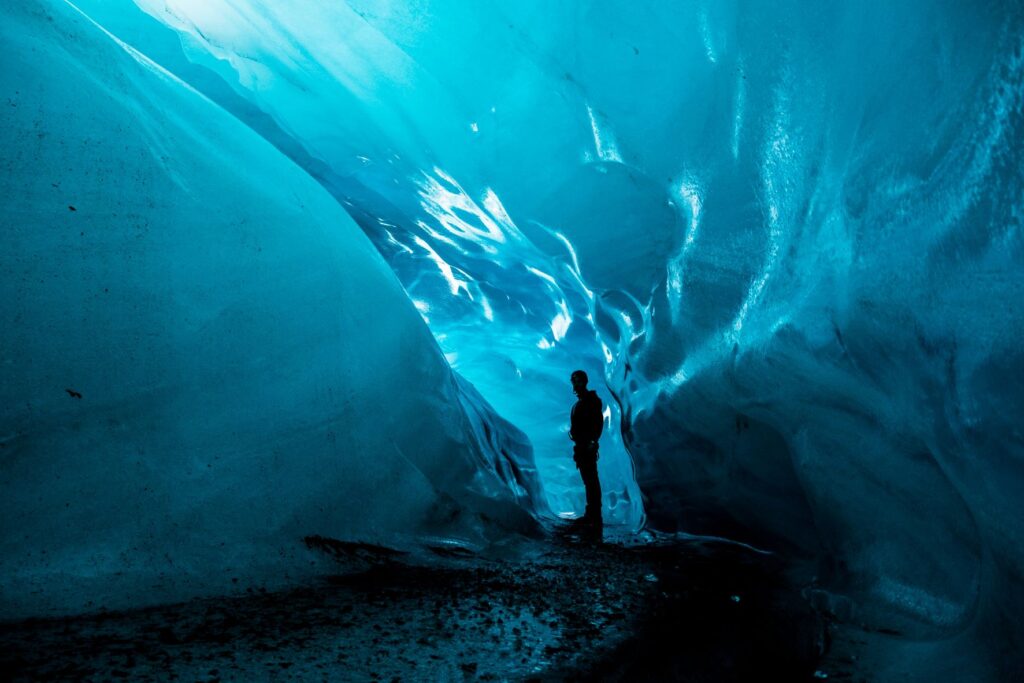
column 579, row 457
column 588, row 470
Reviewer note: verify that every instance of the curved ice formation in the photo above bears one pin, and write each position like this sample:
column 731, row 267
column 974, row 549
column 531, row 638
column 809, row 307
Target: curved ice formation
column 787, row 234
column 509, row 308
column 204, row 359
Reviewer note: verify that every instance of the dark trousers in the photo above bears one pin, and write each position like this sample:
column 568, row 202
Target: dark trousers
column 586, row 463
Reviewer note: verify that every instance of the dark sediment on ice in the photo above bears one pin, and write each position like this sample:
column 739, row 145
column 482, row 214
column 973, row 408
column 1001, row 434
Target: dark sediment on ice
column 572, row 610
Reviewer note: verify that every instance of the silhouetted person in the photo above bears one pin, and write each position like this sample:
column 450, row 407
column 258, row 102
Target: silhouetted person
column 586, row 423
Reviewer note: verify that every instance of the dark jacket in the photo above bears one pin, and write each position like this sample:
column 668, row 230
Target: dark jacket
column 587, row 418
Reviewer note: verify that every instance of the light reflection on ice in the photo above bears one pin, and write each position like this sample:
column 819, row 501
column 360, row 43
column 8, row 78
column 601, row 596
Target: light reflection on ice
column 738, row 111
column 448, row 206
column 604, row 141
column 454, row 283
column 705, row 33
column 689, row 191
column 777, row 164
column 561, row 322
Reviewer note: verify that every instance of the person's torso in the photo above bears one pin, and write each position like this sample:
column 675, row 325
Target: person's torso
column 586, row 417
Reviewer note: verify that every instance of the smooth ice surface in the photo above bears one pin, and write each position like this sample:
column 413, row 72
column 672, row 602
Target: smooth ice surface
column 204, row 359
column 787, row 235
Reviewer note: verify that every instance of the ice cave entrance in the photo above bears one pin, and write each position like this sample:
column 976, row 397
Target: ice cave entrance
column 498, row 282
column 512, row 318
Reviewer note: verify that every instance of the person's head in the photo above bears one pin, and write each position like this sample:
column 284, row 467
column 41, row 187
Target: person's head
column 579, row 382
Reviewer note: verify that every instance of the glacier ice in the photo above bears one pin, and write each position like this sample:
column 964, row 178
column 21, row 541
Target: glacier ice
column 204, row 359
column 513, row 318
column 788, row 236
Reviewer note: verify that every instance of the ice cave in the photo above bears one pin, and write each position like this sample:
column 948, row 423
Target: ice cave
column 281, row 270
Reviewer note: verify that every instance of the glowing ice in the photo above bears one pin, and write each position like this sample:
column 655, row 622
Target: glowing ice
column 793, row 253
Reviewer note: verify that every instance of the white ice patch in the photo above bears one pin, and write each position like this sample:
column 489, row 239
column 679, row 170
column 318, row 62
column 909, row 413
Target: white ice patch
column 604, row 141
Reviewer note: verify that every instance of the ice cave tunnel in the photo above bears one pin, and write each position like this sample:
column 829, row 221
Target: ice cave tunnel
column 274, row 268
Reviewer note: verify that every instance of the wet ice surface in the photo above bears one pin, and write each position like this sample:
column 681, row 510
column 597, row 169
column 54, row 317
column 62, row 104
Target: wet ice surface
column 569, row 608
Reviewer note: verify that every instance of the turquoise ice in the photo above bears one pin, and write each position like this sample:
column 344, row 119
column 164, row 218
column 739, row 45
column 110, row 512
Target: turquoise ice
column 783, row 238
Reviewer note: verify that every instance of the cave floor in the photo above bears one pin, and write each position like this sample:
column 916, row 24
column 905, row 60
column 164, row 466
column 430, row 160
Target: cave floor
column 575, row 609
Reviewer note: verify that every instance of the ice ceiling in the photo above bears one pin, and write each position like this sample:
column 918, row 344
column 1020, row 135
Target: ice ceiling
column 784, row 240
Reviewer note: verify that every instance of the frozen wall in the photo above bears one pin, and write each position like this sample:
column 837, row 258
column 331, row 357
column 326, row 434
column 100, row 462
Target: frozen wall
column 788, row 235
column 204, row 359
column 789, row 232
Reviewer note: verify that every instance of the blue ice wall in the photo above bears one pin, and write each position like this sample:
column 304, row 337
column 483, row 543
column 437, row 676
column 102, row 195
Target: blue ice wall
column 204, row 360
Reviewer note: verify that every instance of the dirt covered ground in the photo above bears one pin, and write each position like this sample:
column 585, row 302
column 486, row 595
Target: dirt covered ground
column 572, row 609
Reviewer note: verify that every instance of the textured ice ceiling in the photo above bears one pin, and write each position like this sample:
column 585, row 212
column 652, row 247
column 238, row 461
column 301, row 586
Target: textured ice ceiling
column 784, row 239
